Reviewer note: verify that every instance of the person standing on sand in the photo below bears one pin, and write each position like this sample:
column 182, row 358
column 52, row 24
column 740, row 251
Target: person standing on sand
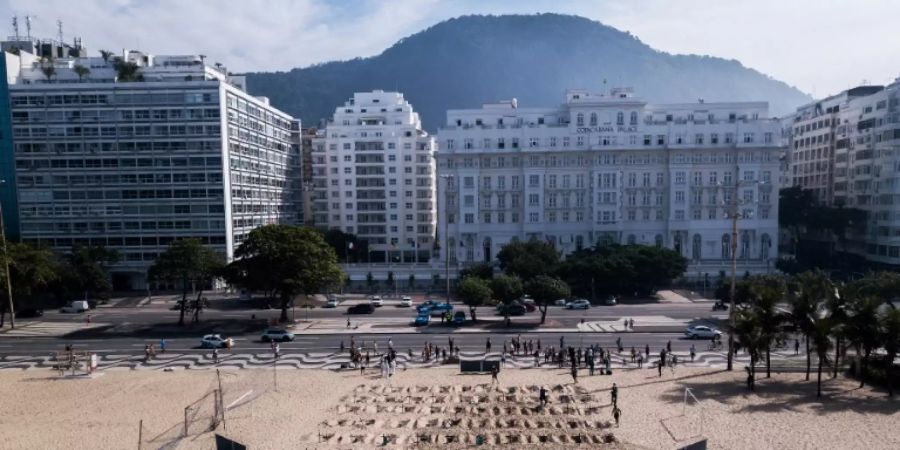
column 647, row 350
column 543, row 397
column 574, row 374
column 216, row 355
column 614, row 394
column 640, row 360
column 562, row 342
column 616, row 414
column 494, row 371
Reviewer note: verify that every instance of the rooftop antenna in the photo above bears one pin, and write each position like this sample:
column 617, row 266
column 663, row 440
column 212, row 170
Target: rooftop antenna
column 59, row 30
column 16, row 27
column 28, row 26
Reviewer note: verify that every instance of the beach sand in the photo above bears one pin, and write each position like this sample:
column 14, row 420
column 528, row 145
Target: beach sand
column 440, row 408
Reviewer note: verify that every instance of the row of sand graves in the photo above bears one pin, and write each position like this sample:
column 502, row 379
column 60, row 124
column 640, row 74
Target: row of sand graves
column 486, row 416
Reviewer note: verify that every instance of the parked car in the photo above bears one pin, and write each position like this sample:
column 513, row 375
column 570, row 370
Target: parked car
column 439, row 309
column 406, row 301
column 610, row 300
column 216, row 341
column 377, row 301
column 527, row 300
column 701, row 332
column 78, row 306
column 578, row 304
column 28, row 313
column 719, row 305
column 362, row 308
column 459, row 318
column 277, row 334
column 512, row 309
column 422, row 320
column 428, row 304
column 560, row 302
column 332, row 303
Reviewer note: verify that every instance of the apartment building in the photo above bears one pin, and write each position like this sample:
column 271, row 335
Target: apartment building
column 134, row 151
column 374, row 176
column 610, row 167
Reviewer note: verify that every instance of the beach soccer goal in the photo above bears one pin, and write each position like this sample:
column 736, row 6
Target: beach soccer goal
column 688, row 396
column 204, row 414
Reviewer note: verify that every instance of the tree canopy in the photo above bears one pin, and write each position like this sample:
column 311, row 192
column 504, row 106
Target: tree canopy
column 31, row 270
column 506, row 288
column 545, row 290
column 528, row 259
column 286, row 259
column 187, row 262
column 473, row 292
column 621, row 269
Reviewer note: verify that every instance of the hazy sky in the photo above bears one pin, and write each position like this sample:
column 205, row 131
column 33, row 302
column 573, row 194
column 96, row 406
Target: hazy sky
column 819, row 46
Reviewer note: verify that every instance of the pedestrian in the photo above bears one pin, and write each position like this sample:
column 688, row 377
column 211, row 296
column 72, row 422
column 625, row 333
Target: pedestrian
column 539, row 345
column 88, row 320
column 640, row 360
column 543, row 396
column 348, row 322
column 631, row 324
column 162, row 345
column 614, row 394
column 616, row 414
column 574, row 373
column 647, row 350
column 494, row 371
column 450, row 341
column 487, row 346
column 146, row 352
column 367, row 357
column 277, row 350
column 375, row 347
column 693, row 352
column 362, row 369
column 390, row 344
column 626, row 324
column 562, row 342
column 633, row 354
column 591, row 367
column 669, row 346
column 659, row 366
column 796, row 346
column 216, row 355
column 342, row 346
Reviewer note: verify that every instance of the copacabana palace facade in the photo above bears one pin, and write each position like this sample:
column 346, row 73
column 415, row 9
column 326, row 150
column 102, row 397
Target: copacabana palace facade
column 612, row 168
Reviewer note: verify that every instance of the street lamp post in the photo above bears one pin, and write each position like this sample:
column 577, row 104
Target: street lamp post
column 447, row 249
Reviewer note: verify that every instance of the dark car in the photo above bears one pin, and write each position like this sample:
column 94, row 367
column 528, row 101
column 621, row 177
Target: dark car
column 362, row 308
column 29, row 313
column 513, row 309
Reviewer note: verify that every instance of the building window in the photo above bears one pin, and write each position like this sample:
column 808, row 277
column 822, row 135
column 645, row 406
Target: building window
column 579, row 119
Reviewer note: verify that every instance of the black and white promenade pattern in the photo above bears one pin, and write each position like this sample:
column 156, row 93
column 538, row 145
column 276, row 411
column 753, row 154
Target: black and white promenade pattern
column 238, row 360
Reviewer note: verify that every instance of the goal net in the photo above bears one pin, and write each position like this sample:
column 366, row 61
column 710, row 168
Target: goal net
column 204, row 414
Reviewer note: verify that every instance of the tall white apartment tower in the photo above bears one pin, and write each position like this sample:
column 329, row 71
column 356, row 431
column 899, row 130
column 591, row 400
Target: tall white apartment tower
column 374, row 176
column 612, row 168
column 135, row 151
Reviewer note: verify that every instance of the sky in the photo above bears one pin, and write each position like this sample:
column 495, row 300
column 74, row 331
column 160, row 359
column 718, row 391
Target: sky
column 818, row 46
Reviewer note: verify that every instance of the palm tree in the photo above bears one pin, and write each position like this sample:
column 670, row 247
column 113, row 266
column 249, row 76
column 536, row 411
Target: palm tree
column 809, row 288
column 889, row 328
column 105, row 54
column 47, row 68
column 820, row 335
column 81, row 71
column 766, row 292
column 837, row 311
column 748, row 331
column 862, row 330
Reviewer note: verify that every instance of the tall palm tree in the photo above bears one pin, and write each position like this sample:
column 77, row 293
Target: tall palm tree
column 748, row 331
column 766, row 291
column 105, row 54
column 820, row 335
column 809, row 288
column 837, row 311
column 889, row 327
column 47, row 68
column 862, row 330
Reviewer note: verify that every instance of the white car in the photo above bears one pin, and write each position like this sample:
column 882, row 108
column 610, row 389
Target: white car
column 579, row 304
column 377, row 301
column 610, row 300
column 560, row 302
column 406, row 301
column 332, row 303
column 78, row 306
column 216, row 341
column 701, row 332
column 277, row 334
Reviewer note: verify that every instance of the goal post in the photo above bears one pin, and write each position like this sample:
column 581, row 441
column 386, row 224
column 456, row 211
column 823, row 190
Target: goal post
column 689, row 394
column 204, row 414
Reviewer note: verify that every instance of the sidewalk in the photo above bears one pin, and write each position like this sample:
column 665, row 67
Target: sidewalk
column 41, row 328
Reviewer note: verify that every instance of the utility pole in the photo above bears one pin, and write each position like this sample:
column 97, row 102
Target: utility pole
column 12, row 309
column 735, row 214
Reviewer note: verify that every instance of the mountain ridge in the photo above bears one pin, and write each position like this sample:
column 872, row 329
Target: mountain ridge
column 470, row 60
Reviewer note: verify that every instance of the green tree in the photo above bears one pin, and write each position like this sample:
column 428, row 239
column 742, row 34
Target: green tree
column 820, row 335
column 545, row 290
column 837, row 305
column 749, row 332
column 292, row 260
column 766, row 292
column 794, row 206
column 473, row 292
column 31, row 270
column 48, row 69
column 81, row 71
column 528, row 259
column 482, row 270
column 85, row 271
column 889, row 328
column 809, row 289
column 506, row 288
column 862, row 330
column 621, row 269
column 105, row 54
column 127, row 71
column 187, row 262
column 345, row 245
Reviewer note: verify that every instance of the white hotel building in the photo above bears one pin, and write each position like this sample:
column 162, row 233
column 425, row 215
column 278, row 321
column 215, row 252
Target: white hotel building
column 185, row 152
column 613, row 168
column 374, row 176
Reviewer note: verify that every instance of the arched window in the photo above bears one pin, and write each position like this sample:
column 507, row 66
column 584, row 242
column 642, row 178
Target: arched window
column 678, row 243
column 579, row 120
column 451, row 247
column 593, row 119
column 745, row 245
column 765, row 243
column 579, row 242
column 726, row 246
column 659, row 240
column 634, row 117
column 487, row 249
column 631, row 239
column 697, row 247
column 620, row 118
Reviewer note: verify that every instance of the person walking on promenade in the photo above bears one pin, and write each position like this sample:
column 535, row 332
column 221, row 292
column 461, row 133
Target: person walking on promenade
column 626, row 325
column 543, row 396
column 640, row 360
column 562, row 342
column 591, row 365
column 162, row 345
column 574, row 373
column 348, row 322
column 539, row 344
column 669, row 346
column 487, row 346
column 631, row 324
column 647, row 350
column 796, row 346
column 693, row 352
column 216, row 355
column 633, row 354
column 614, row 394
